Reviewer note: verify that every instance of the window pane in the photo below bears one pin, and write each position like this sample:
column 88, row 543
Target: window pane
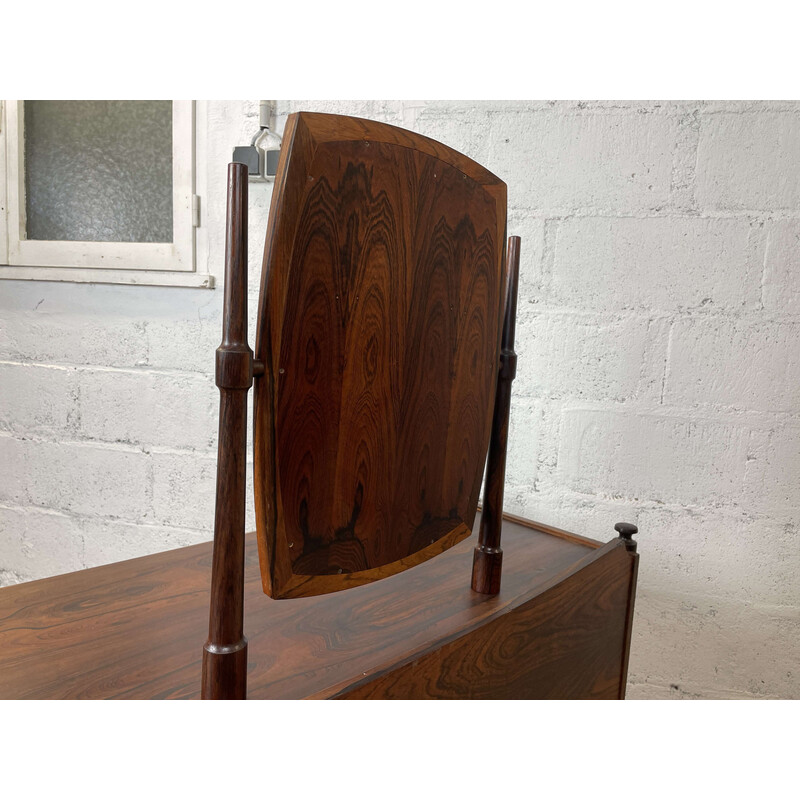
column 99, row 170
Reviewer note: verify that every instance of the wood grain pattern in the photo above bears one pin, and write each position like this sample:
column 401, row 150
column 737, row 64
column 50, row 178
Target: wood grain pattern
column 487, row 562
column 553, row 531
column 626, row 647
column 224, row 674
column 379, row 329
column 130, row 630
column 565, row 643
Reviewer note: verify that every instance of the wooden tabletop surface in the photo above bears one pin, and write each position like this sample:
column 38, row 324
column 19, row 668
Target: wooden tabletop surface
column 135, row 629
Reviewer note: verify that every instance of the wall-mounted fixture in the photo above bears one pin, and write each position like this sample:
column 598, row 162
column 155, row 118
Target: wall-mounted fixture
column 261, row 155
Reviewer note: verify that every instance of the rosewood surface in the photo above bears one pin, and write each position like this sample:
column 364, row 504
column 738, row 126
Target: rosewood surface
column 130, row 630
column 565, row 643
column 225, row 652
column 487, row 561
column 379, row 328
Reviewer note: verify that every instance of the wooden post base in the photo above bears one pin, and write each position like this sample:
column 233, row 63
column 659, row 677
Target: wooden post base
column 487, row 569
column 225, row 671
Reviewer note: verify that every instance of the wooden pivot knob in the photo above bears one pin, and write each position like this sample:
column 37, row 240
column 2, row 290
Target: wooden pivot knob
column 626, row 530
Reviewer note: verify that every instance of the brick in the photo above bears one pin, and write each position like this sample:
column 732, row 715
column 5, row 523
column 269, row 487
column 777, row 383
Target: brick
column 563, row 162
column 530, row 229
column 583, row 356
column 106, row 543
column 73, row 339
column 148, row 408
column 381, row 110
column 740, row 362
column 78, row 477
column 771, row 482
column 463, row 130
column 724, row 646
column 657, row 691
column 661, row 265
column 749, row 161
column 781, row 285
column 13, row 488
column 719, row 554
column 184, row 490
column 644, row 457
column 522, row 458
column 9, row 578
column 684, row 163
column 38, row 400
column 186, row 344
column 37, row 543
column 752, row 106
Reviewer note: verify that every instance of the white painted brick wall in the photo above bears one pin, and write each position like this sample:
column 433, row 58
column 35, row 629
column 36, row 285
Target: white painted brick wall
column 651, row 458
column 659, row 321
column 657, row 264
column 761, row 358
column 89, row 478
column 618, row 162
column 587, row 355
column 771, row 480
column 749, row 161
column 38, row 399
column 781, row 283
column 173, row 409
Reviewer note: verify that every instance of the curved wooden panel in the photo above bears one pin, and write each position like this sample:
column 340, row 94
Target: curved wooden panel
column 379, row 327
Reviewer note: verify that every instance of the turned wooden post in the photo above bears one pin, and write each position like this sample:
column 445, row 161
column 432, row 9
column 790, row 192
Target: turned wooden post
column 225, row 652
column 487, row 561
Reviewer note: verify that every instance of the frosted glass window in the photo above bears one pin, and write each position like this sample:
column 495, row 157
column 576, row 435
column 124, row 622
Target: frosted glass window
column 98, row 170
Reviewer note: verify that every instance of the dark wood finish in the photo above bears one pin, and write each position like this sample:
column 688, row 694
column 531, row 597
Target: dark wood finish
column 130, row 630
column 542, row 528
column 487, row 561
column 564, row 643
column 379, row 328
column 627, row 531
column 225, row 651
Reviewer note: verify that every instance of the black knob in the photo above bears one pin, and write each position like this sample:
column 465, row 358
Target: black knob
column 626, row 531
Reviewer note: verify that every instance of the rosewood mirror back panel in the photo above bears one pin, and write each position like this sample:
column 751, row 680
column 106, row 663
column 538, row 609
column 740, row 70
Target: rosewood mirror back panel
column 379, row 326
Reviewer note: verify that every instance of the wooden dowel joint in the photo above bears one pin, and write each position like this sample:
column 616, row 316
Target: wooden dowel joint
column 508, row 365
column 234, row 367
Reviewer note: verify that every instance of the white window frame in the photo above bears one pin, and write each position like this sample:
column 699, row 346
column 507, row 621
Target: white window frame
column 149, row 263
